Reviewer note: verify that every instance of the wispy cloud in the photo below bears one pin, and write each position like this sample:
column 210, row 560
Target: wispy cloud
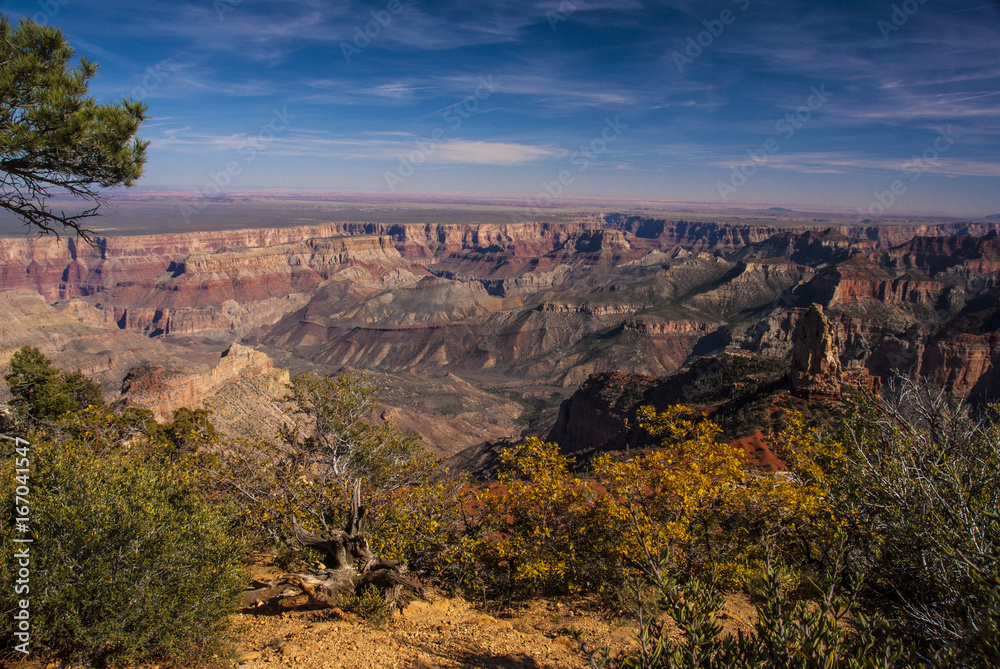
column 295, row 143
column 492, row 153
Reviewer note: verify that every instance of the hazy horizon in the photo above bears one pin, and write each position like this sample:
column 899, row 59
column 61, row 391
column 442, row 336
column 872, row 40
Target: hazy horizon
column 884, row 108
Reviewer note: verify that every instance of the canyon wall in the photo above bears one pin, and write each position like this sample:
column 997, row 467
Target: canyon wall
column 517, row 304
column 729, row 237
column 164, row 391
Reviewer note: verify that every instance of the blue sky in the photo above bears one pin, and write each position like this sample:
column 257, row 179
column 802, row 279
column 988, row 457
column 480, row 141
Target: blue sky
column 673, row 100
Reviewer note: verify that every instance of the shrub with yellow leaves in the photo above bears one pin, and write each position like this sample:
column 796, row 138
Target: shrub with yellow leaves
column 691, row 496
column 531, row 523
column 677, row 499
column 425, row 527
column 805, row 523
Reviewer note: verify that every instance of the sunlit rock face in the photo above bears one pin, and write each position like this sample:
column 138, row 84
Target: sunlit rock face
column 164, row 391
column 815, row 363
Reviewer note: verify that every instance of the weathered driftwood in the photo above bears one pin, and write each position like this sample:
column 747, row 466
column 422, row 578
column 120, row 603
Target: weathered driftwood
column 350, row 568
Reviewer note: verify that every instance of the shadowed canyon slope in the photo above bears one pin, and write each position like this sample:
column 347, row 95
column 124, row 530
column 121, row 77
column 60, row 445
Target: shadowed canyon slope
column 523, row 312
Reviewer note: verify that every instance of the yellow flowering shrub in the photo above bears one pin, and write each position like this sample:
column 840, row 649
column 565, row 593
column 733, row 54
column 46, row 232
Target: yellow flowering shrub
column 799, row 502
column 425, row 527
column 674, row 500
column 530, row 523
column 692, row 497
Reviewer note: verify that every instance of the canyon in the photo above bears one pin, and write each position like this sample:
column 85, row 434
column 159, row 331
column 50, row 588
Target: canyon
column 480, row 331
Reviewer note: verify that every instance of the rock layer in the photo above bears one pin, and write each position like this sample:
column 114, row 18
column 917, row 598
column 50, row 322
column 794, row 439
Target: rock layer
column 518, row 304
column 164, row 391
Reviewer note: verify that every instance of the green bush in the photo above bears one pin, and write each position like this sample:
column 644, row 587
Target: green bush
column 336, row 439
column 369, row 605
column 40, row 392
column 919, row 495
column 129, row 563
column 825, row 632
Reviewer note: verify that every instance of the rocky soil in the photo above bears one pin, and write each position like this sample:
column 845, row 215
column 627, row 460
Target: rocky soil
column 443, row 631
column 438, row 632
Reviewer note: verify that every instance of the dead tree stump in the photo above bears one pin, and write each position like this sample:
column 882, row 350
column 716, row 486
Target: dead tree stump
column 350, row 567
